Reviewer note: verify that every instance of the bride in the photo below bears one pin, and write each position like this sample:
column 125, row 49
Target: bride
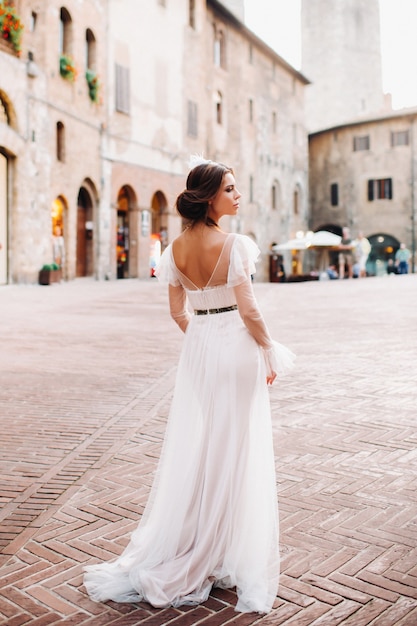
column 212, row 518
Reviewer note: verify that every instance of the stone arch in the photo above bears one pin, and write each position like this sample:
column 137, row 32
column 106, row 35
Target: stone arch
column 159, row 206
column 127, row 233
column 330, row 228
column 59, row 231
column 86, row 205
column 3, row 218
column 7, row 111
column 384, row 247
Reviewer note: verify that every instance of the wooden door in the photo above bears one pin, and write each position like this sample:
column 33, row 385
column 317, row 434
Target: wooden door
column 81, row 242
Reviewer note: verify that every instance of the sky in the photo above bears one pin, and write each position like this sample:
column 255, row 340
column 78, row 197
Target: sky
column 277, row 22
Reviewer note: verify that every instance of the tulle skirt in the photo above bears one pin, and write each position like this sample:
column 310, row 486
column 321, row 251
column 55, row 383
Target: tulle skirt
column 212, row 518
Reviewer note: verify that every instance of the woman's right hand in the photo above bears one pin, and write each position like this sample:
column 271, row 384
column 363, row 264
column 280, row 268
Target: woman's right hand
column 270, row 379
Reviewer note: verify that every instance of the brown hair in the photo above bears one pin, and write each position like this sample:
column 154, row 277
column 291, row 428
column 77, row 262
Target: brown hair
column 203, row 183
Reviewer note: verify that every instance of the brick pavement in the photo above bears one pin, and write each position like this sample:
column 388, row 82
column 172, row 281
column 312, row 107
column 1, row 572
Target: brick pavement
column 87, row 372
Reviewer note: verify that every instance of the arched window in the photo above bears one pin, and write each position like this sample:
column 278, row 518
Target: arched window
column 296, row 202
column 60, row 141
column 250, row 110
column 4, row 116
column 191, row 13
column 273, row 197
column 90, row 50
column 219, row 57
column 218, row 102
column 65, row 32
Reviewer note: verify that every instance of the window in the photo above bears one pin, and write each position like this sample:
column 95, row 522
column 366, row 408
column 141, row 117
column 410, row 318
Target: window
column 274, row 122
column 65, row 32
column 400, row 138
column 32, row 22
column 334, row 194
column 361, row 143
column 380, row 189
column 90, row 50
column 60, row 141
column 191, row 13
column 218, row 102
column 250, row 54
column 218, row 49
column 122, row 89
column 296, row 201
column 274, row 196
column 251, row 189
column 250, row 110
column 192, row 127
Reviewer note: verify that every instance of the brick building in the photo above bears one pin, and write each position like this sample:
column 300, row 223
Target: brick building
column 104, row 167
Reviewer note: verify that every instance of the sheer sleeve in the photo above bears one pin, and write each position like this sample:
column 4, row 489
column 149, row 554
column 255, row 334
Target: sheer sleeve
column 165, row 271
column 178, row 306
column 278, row 358
column 243, row 256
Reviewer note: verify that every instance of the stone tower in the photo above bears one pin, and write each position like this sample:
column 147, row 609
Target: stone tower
column 341, row 56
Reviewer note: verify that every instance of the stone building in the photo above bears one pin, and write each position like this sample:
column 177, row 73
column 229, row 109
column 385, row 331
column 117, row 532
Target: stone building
column 363, row 175
column 361, row 152
column 50, row 139
column 104, row 165
column 341, row 56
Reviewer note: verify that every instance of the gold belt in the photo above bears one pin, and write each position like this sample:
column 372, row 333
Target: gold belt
column 213, row 311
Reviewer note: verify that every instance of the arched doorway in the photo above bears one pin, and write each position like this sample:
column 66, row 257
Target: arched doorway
column 59, row 220
column 159, row 235
column 3, row 219
column 85, row 248
column 383, row 248
column 7, row 117
column 127, row 234
column 328, row 258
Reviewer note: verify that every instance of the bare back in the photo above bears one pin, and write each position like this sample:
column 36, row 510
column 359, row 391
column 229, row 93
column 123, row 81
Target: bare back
column 197, row 253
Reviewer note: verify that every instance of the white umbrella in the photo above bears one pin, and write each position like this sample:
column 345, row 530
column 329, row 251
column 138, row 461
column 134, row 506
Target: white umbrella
column 293, row 244
column 320, row 239
column 324, row 238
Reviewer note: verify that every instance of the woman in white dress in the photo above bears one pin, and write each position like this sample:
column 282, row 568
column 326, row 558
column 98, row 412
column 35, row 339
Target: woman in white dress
column 212, row 518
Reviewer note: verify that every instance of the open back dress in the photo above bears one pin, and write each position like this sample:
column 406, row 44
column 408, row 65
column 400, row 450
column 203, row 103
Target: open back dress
column 212, row 516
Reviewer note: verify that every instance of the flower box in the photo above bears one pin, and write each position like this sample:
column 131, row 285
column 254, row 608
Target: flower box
column 50, row 274
column 67, row 68
column 93, row 85
column 11, row 28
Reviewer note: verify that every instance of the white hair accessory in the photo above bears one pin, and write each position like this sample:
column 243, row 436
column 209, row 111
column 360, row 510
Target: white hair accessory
column 197, row 159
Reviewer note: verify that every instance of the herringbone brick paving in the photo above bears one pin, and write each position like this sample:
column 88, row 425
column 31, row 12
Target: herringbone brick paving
column 87, row 373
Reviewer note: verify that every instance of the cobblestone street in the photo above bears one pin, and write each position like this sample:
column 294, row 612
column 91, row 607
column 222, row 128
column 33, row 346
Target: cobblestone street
column 87, row 372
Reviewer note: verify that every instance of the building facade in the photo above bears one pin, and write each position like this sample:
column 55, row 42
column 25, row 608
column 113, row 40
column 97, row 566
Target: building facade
column 363, row 175
column 100, row 112
column 361, row 152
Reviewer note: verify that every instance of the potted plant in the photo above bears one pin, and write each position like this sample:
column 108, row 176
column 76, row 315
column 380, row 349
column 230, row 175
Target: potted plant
column 93, row 84
column 11, row 26
column 67, row 67
column 50, row 273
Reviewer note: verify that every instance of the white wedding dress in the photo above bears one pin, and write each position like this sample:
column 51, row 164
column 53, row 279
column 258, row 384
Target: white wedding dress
column 212, row 518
